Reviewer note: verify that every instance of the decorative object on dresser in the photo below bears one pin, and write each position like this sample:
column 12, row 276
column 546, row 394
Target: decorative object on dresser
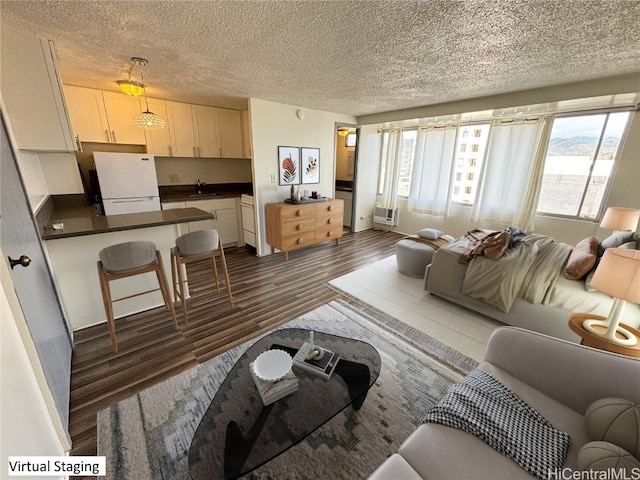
column 292, row 226
column 617, row 275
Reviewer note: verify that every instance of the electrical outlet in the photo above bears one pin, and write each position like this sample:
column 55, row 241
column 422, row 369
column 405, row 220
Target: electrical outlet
column 174, row 178
column 273, row 178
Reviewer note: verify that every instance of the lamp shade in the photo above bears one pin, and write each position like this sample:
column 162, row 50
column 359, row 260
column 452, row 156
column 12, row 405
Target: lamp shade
column 130, row 87
column 620, row 218
column 342, row 131
column 149, row 121
column 618, row 274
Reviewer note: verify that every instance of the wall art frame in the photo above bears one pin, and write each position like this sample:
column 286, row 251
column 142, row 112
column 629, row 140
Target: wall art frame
column 310, row 165
column 288, row 165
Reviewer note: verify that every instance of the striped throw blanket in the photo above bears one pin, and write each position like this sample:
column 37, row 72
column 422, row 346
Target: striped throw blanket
column 484, row 407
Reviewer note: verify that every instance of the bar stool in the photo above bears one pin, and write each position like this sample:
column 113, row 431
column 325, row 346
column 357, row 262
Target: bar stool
column 193, row 247
column 126, row 260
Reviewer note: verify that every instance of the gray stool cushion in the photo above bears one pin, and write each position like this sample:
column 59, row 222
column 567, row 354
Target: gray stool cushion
column 127, row 256
column 413, row 257
column 197, row 243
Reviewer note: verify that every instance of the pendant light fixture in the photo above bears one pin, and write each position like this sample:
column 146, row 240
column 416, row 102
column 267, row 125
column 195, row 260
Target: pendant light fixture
column 146, row 120
column 130, row 85
column 342, row 131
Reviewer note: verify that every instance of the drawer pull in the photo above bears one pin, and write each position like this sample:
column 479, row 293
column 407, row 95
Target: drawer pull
column 300, row 241
column 299, row 227
column 330, row 207
column 299, row 213
column 330, row 221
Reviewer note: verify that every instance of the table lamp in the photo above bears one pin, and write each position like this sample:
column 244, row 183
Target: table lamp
column 620, row 218
column 617, row 275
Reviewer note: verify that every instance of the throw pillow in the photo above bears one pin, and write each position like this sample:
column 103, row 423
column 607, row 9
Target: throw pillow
column 430, row 233
column 605, row 456
column 629, row 245
column 616, row 239
column 615, row 420
column 582, row 258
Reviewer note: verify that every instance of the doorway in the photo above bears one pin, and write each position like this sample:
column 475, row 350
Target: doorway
column 346, row 155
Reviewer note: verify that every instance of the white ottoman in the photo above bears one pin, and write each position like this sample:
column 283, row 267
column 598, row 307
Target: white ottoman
column 413, row 257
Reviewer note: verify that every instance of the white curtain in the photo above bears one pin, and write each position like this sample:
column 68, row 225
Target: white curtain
column 507, row 174
column 390, row 186
column 430, row 190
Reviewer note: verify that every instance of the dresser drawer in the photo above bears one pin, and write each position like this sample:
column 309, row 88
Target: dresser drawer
column 297, row 240
column 297, row 212
column 293, row 226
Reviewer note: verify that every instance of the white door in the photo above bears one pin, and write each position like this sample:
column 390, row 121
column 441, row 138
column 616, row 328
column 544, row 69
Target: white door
column 32, row 280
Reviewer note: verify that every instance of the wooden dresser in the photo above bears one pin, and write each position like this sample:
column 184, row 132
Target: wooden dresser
column 291, row 226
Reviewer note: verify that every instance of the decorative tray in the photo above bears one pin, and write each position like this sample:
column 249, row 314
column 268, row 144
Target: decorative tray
column 305, row 200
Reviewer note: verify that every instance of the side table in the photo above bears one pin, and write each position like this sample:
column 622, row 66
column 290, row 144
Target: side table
column 595, row 341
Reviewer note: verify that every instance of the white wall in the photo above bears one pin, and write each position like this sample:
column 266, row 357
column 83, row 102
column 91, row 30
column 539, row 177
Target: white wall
column 26, row 425
column 276, row 124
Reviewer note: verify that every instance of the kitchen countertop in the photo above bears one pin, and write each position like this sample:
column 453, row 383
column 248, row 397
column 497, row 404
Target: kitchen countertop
column 80, row 221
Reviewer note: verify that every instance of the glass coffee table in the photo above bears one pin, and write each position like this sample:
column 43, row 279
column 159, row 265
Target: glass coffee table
column 238, row 433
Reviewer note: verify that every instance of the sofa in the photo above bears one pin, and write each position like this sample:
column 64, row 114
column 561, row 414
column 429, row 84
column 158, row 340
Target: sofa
column 447, row 278
column 559, row 379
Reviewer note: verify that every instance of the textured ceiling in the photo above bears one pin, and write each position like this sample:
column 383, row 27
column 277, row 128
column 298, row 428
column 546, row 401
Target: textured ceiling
column 354, row 57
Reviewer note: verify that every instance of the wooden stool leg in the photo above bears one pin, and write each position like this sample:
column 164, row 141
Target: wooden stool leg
column 226, row 274
column 215, row 270
column 183, row 300
column 108, row 307
column 173, row 275
column 164, row 288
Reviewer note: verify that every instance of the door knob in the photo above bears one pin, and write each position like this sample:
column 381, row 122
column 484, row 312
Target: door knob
column 23, row 260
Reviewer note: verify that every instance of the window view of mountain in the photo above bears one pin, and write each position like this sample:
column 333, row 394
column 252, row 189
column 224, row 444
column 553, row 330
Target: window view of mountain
column 581, row 146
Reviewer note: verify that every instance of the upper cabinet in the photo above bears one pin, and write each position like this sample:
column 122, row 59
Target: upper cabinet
column 196, row 131
column 105, row 117
column 32, row 92
column 191, row 130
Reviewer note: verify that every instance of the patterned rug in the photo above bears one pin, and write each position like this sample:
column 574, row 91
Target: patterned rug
column 147, row 436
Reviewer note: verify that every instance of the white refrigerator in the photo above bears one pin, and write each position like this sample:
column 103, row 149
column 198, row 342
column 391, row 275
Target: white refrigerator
column 128, row 182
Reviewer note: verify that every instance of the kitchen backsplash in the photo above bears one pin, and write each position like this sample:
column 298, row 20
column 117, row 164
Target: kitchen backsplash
column 186, row 171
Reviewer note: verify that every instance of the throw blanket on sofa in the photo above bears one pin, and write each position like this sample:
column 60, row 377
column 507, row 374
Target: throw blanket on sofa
column 530, row 270
column 484, row 407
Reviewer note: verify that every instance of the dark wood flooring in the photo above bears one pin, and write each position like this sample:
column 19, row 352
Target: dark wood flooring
column 267, row 292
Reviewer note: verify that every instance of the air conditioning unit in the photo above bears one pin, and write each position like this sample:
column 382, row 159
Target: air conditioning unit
column 386, row 216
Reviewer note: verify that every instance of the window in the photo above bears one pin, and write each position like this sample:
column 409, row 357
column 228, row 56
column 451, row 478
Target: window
column 407, row 154
column 580, row 158
column 468, row 165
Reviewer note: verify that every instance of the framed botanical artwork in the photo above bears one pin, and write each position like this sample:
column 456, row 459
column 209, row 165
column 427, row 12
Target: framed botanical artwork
column 288, row 165
column 310, row 165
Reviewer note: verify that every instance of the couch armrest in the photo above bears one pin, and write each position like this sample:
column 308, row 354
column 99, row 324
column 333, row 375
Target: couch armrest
column 572, row 374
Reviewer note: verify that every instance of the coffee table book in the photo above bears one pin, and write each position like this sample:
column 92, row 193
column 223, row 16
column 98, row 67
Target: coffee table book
column 323, row 367
column 272, row 391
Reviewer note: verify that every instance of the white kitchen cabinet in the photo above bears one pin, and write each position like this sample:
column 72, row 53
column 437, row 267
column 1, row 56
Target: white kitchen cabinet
column 225, row 222
column 181, row 130
column 32, row 92
column 206, row 131
column 158, row 141
column 246, row 134
column 104, row 117
column 230, row 133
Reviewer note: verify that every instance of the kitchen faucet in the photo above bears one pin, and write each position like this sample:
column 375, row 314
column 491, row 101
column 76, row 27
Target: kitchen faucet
column 199, row 185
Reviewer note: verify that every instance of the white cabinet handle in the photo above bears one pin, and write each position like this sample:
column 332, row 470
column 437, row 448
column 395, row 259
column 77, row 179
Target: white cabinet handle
column 113, row 134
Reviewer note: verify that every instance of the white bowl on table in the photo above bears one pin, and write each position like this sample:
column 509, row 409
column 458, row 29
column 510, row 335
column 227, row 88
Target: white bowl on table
column 272, row 365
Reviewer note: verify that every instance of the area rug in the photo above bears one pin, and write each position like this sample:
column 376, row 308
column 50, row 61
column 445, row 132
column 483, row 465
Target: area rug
column 147, row 436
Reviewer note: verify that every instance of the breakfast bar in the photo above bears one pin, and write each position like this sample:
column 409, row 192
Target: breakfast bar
column 73, row 238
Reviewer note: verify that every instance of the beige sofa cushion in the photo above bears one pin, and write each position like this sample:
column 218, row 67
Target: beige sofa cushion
column 435, row 451
column 582, row 258
column 395, row 468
